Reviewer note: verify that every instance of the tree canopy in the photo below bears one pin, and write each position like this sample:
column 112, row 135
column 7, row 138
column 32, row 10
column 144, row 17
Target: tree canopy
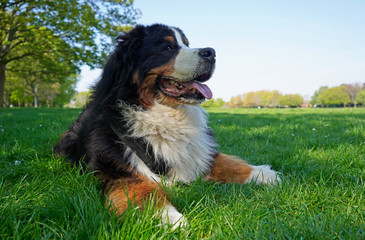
column 360, row 98
column 46, row 37
column 213, row 103
column 334, row 96
column 316, row 94
column 266, row 98
column 290, row 100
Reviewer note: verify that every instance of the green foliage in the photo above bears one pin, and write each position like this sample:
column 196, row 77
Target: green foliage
column 334, row 96
column 266, row 99
column 213, row 103
column 253, row 99
column 361, row 97
column 320, row 153
column 352, row 91
column 291, row 100
column 81, row 98
column 250, row 99
column 49, row 33
column 314, row 100
column 46, row 82
column 66, row 91
column 270, row 98
column 236, row 101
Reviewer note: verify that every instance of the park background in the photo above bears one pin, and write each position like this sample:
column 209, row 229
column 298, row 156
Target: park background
column 269, row 53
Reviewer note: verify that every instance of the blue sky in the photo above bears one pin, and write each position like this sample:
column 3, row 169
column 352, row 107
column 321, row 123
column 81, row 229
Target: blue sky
column 291, row 46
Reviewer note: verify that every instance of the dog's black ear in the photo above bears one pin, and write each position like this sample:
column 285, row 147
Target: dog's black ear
column 115, row 82
column 130, row 42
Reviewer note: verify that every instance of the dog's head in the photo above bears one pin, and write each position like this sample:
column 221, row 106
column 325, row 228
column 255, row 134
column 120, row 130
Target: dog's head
column 155, row 63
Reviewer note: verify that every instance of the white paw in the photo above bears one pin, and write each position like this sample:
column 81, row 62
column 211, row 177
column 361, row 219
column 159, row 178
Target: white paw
column 171, row 216
column 263, row 174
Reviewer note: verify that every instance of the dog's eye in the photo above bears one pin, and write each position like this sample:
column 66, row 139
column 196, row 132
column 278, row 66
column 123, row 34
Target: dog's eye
column 169, row 48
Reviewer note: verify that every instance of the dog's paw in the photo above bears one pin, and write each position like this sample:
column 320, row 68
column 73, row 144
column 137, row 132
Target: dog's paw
column 263, row 174
column 171, row 216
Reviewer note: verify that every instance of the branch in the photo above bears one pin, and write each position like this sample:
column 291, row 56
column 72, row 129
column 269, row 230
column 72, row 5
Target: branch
column 9, row 48
column 34, row 72
column 19, row 57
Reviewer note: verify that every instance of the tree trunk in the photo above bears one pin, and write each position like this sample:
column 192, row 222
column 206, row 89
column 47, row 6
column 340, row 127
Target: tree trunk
column 35, row 95
column 2, row 83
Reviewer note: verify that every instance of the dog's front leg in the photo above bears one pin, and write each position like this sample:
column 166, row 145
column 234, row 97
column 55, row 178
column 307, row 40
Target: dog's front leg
column 136, row 192
column 229, row 169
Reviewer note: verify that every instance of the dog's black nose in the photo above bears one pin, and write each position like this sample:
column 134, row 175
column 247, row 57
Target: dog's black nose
column 208, row 54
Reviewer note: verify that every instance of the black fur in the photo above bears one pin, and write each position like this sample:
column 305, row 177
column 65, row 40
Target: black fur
column 90, row 141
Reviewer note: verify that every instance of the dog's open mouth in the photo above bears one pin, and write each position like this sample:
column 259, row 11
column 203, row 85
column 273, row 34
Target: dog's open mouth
column 193, row 89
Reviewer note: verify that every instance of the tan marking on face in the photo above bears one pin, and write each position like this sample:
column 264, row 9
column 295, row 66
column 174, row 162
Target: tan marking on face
column 168, row 100
column 146, row 91
column 186, row 41
column 135, row 77
column 170, row 39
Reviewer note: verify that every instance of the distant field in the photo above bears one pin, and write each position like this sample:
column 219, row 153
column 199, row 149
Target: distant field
column 320, row 153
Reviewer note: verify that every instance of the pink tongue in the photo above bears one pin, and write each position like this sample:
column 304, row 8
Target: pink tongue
column 203, row 89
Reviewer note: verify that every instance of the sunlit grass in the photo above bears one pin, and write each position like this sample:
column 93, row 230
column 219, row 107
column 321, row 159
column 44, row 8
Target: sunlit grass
column 320, row 153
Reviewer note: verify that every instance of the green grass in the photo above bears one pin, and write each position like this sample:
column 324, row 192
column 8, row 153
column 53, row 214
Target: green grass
column 320, row 153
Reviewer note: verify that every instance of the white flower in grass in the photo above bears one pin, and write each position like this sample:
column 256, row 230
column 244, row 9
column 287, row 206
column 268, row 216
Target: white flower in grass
column 293, row 134
column 347, row 131
column 313, row 129
column 17, row 162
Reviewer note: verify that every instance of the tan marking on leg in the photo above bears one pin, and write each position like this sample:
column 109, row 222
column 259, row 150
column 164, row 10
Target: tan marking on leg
column 229, row 169
column 122, row 192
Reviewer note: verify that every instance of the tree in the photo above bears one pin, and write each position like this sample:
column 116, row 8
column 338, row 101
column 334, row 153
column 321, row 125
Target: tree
column 213, row 103
column 315, row 100
column 360, row 98
column 270, row 98
column 253, row 99
column 352, row 90
column 236, row 102
column 66, row 91
column 290, row 100
column 66, row 29
column 42, row 76
column 25, row 88
column 334, row 96
column 81, row 99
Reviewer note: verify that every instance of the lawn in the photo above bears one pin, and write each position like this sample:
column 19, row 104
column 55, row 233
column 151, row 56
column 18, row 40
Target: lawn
column 320, row 153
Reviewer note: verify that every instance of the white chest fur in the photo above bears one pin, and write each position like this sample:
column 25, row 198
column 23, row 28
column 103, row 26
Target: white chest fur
column 179, row 136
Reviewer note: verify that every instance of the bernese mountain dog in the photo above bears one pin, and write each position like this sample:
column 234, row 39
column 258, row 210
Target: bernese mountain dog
column 143, row 123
